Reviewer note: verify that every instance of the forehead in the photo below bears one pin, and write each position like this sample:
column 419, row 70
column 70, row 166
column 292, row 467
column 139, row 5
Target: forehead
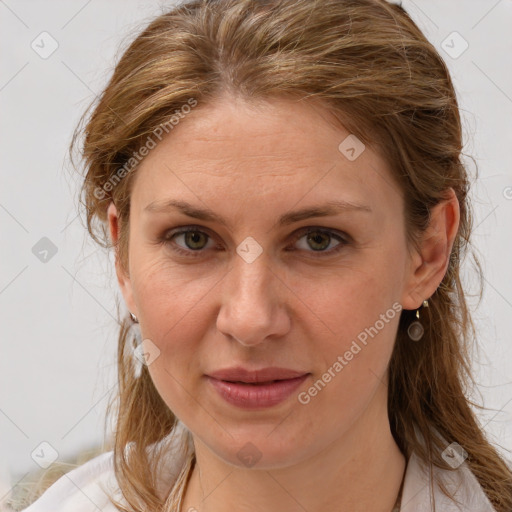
column 262, row 151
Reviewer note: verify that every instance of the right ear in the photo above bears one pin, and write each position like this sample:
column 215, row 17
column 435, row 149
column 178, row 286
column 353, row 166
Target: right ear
column 122, row 276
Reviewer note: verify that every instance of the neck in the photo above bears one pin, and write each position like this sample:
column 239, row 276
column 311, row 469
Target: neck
column 362, row 470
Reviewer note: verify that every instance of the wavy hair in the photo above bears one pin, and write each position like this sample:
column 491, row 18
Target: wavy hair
column 367, row 63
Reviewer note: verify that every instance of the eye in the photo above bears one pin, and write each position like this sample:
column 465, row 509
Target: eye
column 317, row 239
column 194, row 239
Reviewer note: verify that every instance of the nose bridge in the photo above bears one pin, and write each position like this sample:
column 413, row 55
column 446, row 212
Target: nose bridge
column 251, row 282
column 249, row 311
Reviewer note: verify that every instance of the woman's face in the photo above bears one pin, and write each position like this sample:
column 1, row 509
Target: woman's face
column 251, row 290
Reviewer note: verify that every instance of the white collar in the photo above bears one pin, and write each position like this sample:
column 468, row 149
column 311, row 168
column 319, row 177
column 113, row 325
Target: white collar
column 461, row 483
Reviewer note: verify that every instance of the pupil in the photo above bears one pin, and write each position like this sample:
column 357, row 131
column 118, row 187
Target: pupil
column 194, row 235
column 315, row 238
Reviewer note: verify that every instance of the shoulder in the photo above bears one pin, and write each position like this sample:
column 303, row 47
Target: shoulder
column 88, row 488
column 83, row 489
column 461, row 483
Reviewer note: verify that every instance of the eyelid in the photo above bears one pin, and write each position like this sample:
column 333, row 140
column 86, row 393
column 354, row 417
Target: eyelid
column 321, row 229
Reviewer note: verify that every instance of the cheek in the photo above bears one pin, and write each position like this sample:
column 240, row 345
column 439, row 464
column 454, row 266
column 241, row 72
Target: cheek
column 172, row 306
column 362, row 314
column 351, row 301
column 173, row 317
column 167, row 293
column 353, row 365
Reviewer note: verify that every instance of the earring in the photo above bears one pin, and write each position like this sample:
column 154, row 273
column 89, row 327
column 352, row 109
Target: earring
column 136, row 337
column 416, row 330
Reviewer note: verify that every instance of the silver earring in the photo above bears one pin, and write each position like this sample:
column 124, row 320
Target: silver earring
column 136, row 337
column 416, row 330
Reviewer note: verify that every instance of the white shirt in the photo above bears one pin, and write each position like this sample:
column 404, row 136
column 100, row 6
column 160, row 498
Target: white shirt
column 81, row 490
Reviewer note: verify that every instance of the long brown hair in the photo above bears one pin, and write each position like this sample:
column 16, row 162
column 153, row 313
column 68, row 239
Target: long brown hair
column 369, row 65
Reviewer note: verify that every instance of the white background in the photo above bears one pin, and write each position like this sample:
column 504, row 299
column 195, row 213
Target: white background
column 58, row 329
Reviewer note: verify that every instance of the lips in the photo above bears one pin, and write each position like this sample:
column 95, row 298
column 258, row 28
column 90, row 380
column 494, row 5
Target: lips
column 256, row 396
column 266, row 375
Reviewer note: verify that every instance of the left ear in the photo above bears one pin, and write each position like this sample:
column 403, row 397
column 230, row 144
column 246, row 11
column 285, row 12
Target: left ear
column 429, row 265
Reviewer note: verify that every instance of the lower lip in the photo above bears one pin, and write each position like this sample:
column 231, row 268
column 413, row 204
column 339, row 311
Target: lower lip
column 248, row 396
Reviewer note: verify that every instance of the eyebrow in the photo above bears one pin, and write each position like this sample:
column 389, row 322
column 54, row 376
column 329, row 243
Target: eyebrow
column 327, row 209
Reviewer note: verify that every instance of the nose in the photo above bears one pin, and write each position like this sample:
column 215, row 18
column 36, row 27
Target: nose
column 252, row 308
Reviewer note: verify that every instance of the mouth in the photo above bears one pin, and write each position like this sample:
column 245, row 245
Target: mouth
column 256, row 395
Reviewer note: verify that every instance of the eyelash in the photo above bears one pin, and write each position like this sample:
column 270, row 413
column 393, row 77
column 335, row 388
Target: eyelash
column 343, row 238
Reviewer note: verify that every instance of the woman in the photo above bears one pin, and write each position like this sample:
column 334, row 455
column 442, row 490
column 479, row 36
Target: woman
column 282, row 185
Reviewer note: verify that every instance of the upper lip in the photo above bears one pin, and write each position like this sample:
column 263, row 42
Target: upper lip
column 239, row 374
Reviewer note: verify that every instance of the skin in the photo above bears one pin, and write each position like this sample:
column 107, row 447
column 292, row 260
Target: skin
column 297, row 309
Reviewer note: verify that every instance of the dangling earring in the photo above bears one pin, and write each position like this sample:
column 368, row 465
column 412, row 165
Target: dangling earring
column 136, row 345
column 416, row 330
